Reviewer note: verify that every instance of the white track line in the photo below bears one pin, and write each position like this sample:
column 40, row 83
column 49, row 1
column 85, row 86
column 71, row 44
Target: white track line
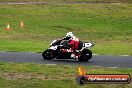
column 3, row 51
column 50, row 64
column 95, row 54
column 112, row 67
column 110, row 55
column 98, row 66
column 123, row 55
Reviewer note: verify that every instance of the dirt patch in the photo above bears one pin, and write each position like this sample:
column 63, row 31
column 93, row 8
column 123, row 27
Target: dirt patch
column 14, row 76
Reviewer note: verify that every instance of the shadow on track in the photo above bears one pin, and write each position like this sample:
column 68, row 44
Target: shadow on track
column 66, row 62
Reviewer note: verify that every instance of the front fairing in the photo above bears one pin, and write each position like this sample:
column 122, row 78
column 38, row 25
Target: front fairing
column 53, row 47
column 55, row 42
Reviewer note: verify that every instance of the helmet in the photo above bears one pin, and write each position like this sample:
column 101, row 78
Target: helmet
column 69, row 35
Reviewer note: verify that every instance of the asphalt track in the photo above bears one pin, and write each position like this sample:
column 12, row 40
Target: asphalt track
column 97, row 60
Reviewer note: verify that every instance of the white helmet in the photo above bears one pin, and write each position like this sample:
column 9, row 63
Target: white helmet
column 69, row 35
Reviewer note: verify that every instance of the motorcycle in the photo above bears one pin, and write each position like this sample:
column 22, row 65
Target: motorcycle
column 55, row 51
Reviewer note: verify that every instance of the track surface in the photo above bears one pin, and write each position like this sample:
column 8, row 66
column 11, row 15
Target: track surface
column 97, row 60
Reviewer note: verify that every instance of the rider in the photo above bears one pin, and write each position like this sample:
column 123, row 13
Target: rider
column 74, row 42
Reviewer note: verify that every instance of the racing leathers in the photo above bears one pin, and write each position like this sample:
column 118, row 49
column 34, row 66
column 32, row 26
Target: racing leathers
column 75, row 44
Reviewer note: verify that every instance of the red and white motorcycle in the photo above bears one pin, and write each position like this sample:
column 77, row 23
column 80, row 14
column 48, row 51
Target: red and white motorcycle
column 56, row 51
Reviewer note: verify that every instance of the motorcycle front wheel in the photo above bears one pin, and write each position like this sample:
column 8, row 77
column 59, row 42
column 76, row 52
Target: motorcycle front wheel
column 48, row 54
column 85, row 55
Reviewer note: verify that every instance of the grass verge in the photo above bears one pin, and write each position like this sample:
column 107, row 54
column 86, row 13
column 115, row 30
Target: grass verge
column 45, row 76
column 65, row 1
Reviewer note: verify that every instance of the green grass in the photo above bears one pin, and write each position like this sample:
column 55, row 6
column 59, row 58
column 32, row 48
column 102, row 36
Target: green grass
column 44, row 76
column 107, row 25
column 18, row 45
column 66, row 0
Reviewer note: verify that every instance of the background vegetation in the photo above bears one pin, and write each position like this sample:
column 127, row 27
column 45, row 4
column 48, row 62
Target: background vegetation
column 66, row 1
column 107, row 25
